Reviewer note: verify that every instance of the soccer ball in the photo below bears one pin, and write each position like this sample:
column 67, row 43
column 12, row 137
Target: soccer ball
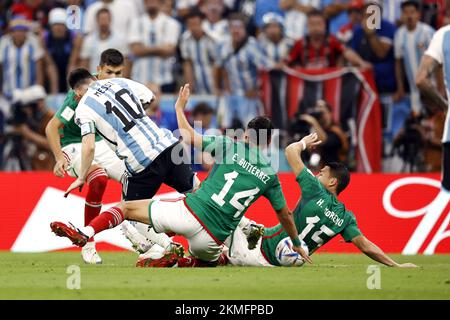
column 288, row 257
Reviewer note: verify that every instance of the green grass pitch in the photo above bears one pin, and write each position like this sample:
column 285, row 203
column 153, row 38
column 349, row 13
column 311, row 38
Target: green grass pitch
column 44, row 276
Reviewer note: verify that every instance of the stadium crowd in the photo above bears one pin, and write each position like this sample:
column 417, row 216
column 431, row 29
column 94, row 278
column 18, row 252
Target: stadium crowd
column 221, row 47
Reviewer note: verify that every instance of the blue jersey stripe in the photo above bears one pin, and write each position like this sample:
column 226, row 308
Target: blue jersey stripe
column 32, row 65
column 129, row 141
column 19, row 67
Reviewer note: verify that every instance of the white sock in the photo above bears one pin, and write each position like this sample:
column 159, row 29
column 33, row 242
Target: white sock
column 88, row 230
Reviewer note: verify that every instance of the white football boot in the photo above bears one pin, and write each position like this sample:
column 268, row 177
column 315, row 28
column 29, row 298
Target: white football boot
column 138, row 241
column 89, row 254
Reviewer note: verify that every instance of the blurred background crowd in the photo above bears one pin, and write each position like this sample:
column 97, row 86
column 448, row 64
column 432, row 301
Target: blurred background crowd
column 222, row 47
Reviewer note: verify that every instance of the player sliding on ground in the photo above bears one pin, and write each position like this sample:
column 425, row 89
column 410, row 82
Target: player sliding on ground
column 241, row 174
column 319, row 217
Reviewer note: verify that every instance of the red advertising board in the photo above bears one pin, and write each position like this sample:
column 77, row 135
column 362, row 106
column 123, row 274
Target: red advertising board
column 401, row 213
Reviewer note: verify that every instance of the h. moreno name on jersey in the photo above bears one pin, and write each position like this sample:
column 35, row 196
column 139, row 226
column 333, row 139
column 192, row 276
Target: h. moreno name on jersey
column 333, row 217
column 251, row 168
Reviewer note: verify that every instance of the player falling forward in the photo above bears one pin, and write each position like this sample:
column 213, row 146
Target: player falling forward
column 113, row 109
column 319, row 217
column 64, row 137
column 241, row 174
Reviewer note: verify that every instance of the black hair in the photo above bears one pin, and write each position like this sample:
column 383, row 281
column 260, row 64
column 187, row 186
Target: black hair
column 111, row 57
column 261, row 127
column 202, row 108
column 194, row 13
column 340, row 172
column 316, row 13
column 78, row 76
column 408, row 3
column 102, row 10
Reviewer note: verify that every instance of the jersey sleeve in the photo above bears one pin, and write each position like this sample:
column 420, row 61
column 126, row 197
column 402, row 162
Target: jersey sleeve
column 85, row 118
column 86, row 48
column 275, row 195
column 309, row 184
column 134, row 34
column 66, row 112
column 351, row 230
column 173, row 32
column 435, row 49
column 144, row 94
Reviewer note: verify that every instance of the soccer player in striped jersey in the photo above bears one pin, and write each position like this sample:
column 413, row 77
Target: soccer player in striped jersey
column 198, row 50
column 410, row 42
column 64, row 136
column 21, row 58
column 209, row 215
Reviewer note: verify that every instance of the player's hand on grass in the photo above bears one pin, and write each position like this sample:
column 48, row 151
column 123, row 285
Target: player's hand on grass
column 406, row 265
column 183, row 97
column 76, row 184
column 302, row 253
column 60, row 167
column 310, row 141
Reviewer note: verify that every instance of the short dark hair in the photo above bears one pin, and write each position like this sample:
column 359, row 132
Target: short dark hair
column 102, row 10
column 316, row 13
column 408, row 3
column 194, row 13
column 78, row 76
column 238, row 16
column 258, row 124
column 340, row 172
column 111, row 57
column 202, row 108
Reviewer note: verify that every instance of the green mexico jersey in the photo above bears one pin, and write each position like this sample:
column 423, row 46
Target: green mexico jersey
column 240, row 175
column 70, row 132
column 319, row 217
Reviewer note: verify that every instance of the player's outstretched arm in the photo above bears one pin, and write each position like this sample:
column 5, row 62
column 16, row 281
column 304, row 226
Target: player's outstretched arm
column 430, row 94
column 187, row 132
column 54, row 140
column 87, row 156
column 287, row 221
column 375, row 253
column 294, row 150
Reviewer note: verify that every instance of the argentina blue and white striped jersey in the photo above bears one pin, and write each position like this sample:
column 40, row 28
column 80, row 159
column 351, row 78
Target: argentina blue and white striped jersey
column 202, row 54
column 295, row 20
column 19, row 63
column 276, row 51
column 163, row 30
column 439, row 50
column 392, row 11
column 242, row 66
column 113, row 109
column 410, row 46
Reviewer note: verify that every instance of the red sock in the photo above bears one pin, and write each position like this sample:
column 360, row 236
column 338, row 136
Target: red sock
column 107, row 220
column 97, row 181
column 191, row 262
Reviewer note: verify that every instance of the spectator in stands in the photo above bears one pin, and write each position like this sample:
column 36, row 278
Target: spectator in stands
column 335, row 145
column 21, row 58
column 198, row 51
column 320, row 50
column 239, row 59
column 62, row 46
column 296, row 15
column 411, row 41
column 275, row 44
column 153, row 39
column 355, row 17
column 100, row 40
column 376, row 46
column 123, row 14
column 214, row 24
